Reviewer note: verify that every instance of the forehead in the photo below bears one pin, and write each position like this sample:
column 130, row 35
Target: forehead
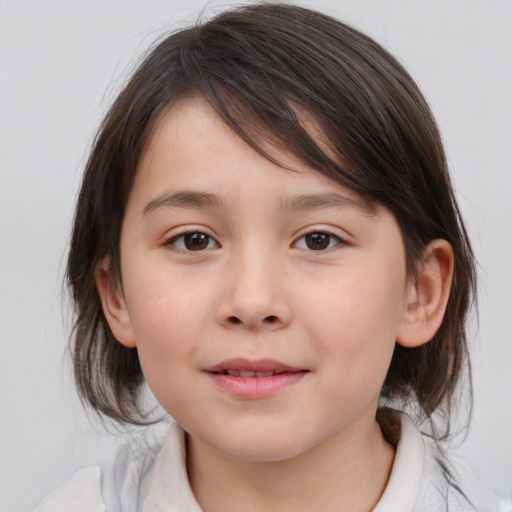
column 191, row 148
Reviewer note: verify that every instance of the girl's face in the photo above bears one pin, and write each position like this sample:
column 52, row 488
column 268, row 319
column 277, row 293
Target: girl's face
column 264, row 302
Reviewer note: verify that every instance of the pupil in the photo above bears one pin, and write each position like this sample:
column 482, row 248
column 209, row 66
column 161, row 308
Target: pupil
column 317, row 241
column 196, row 241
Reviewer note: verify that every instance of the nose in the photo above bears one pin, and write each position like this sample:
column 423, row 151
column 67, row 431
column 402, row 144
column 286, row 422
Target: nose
column 254, row 295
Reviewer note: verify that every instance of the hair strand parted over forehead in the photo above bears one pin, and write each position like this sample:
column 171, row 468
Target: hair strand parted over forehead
column 271, row 72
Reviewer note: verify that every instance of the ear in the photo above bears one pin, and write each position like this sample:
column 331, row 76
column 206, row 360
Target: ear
column 427, row 296
column 114, row 305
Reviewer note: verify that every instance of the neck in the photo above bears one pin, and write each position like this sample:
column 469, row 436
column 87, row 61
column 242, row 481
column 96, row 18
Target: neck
column 349, row 471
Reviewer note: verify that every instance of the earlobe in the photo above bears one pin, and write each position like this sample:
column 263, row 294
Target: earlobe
column 114, row 305
column 427, row 296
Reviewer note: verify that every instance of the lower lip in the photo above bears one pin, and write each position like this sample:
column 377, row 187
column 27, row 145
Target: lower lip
column 255, row 387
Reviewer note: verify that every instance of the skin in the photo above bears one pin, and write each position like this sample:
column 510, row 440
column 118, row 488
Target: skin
column 256, row 286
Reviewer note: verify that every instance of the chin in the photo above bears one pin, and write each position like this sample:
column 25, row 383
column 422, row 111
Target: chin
column 259, row 448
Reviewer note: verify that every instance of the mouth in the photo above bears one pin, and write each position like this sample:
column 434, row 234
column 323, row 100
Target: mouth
column 248, row 373
column 241, row 367
column 253, row 379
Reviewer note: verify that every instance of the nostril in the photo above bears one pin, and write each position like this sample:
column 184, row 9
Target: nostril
column 269, row 320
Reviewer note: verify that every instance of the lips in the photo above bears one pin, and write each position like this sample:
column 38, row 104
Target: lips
column 248, row 367
column 252, row 379
column 247, row 373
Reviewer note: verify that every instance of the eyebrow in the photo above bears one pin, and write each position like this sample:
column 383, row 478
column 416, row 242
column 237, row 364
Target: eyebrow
column 303, row 202
column 183, row 199
column 327, row 200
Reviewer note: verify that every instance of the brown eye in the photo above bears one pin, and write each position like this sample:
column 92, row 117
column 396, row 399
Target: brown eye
column 318, row 241
column 194, row 241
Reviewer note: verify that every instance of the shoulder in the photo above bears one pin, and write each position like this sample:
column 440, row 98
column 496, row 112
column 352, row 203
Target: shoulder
column 120, row 486
column 448, row 483
column 425, row 479
column 81, row 493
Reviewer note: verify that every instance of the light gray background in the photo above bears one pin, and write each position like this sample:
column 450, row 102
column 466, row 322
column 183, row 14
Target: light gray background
column 57, row 59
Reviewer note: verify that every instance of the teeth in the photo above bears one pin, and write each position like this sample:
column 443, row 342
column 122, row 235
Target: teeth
column 249, row 373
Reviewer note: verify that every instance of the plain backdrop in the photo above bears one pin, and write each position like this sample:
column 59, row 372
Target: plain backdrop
column 61, row 63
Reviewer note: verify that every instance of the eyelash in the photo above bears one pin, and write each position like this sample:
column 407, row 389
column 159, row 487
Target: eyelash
column 332, row 241
column 181, row 239
column 324, row 241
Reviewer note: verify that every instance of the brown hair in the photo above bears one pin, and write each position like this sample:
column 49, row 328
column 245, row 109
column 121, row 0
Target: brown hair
column 258, row 66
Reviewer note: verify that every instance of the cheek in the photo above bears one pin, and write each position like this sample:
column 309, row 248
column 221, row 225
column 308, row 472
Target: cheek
column 166, row 328
column 168, row 314
column 164, row 304
column 360, row 308
column 354, row 325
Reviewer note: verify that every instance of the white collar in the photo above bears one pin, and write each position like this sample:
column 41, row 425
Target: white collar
column 170, row 489
column 404, row 482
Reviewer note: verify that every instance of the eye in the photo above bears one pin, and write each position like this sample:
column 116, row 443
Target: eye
column 193, row 241
column 318, row 241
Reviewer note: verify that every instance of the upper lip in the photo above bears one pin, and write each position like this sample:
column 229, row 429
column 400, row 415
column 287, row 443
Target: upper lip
column 253, row 365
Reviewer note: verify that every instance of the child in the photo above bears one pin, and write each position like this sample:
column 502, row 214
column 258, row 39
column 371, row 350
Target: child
column 266, row 234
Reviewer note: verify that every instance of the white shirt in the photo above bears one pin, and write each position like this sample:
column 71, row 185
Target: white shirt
column 157, row 482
